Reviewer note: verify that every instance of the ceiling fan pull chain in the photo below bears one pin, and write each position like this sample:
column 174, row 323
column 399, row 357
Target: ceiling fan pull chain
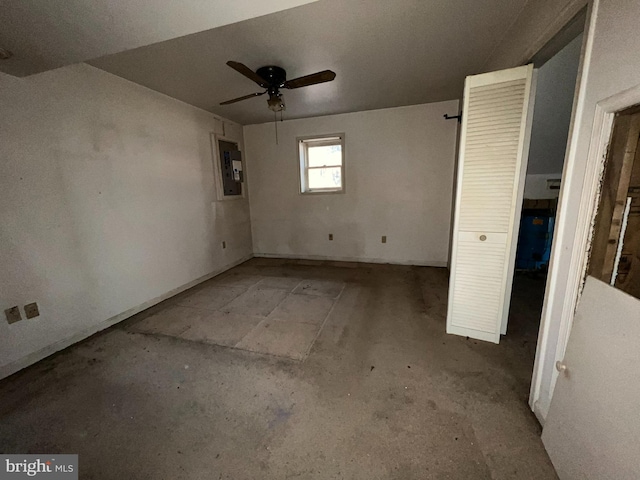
column 275, row 121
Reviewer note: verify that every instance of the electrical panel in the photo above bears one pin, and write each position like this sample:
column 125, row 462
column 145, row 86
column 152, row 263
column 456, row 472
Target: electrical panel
column 231, row 168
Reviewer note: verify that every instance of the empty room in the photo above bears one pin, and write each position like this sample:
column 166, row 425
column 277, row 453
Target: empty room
column 320, row 239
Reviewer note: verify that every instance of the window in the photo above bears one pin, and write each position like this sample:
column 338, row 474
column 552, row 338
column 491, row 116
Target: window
column 321, row 164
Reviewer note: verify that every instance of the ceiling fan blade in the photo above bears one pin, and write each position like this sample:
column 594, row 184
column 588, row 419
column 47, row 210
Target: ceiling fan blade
column 320, row 77
column 239, row 99
column 247, row 72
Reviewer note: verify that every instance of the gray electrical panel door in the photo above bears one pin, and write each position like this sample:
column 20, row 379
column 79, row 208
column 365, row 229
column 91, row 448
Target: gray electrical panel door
column 231, row 178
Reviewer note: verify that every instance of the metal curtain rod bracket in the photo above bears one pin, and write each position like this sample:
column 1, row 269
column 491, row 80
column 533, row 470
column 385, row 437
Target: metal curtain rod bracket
column 459, row 117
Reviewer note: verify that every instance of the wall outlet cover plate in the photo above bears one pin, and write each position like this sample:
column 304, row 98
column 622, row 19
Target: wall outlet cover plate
column 13, row 314
column 31, row 310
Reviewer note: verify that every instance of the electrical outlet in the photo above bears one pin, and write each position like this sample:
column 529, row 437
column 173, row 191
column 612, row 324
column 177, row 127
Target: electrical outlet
column 13, row 314
column 331, row 236
column 384, row 239
column 224, row 244
column 31, row 310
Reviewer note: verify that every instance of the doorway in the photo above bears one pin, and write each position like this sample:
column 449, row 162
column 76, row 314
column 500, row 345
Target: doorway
column 554, row 99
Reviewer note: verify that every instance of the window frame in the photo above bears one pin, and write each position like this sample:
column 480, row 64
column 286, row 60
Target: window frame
column 302, row 146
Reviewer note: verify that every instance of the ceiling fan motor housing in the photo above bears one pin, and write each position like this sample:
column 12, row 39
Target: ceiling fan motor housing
column 272, row 78
column 275, row 76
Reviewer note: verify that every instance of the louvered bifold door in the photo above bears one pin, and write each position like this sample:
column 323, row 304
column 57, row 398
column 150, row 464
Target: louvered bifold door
column 494, row 144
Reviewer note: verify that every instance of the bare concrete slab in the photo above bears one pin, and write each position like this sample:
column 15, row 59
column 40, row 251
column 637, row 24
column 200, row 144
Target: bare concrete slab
column 282, row 339
column 284, row 283
column 384, row 393
column 323, row 288
column 303, row 309
column 259, row 302
column 343, row 264
column 173, row 320
column 309, row 263
column 211, row 297
column 220, row 328
column 234, row 279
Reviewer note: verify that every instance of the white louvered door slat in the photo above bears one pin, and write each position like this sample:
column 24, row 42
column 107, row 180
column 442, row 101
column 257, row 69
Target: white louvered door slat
column 494, row 144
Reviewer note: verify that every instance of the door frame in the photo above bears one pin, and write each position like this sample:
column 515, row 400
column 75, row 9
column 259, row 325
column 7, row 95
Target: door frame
column 601, row 132
column 553, row 330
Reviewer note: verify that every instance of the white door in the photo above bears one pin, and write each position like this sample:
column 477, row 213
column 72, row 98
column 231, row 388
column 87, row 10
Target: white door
column 592, row 430
column 494, row 146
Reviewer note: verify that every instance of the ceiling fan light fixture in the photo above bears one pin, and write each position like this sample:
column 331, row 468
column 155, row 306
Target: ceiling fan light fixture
column 276, row 102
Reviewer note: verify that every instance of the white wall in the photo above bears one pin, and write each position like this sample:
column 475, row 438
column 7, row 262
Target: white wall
column 106, row 205
column 555, row 90
column 399, row 179
column 536, row 188
column 612, row 66
column 551, row 118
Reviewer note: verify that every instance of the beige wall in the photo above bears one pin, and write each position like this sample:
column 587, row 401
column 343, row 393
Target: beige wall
column 399, row 179
column 106, row 205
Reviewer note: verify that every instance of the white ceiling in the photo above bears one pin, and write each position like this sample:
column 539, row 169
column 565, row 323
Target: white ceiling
column 385, row 54
column 46, row 34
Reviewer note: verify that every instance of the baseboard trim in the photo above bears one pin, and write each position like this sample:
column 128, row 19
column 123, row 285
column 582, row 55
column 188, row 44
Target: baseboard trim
column 28, row 360
column 352, row 259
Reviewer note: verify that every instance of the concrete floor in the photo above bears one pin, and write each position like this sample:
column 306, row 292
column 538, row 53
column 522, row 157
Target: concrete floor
column 274, row 315
column 384, row 393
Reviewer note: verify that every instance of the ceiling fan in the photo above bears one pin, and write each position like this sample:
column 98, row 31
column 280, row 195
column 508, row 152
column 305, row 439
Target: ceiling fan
column 272, row 79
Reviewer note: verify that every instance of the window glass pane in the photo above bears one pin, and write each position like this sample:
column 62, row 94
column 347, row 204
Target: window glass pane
column 325, row 155
column 329, row 177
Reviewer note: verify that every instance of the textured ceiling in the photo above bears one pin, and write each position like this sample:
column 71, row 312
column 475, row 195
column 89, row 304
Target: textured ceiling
column 46, row 34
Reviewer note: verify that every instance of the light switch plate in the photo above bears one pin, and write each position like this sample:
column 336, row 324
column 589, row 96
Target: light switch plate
column 13, row 314
column 31, row 310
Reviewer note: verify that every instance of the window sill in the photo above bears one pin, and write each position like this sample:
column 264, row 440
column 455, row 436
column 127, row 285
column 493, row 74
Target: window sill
column 322, row 192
